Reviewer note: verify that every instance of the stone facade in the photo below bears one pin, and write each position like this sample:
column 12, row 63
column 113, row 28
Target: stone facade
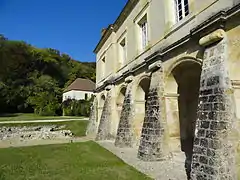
column 192, row 102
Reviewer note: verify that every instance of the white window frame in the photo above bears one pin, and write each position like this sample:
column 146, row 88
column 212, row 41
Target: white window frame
column 143, row 28
column 123, row 51
column 182, row 9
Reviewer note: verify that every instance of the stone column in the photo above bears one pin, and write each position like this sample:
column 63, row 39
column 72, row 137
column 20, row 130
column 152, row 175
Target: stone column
column 92, row 124
column 213, row 152
column 104, row 128
column 124, row 133
column 152, row 144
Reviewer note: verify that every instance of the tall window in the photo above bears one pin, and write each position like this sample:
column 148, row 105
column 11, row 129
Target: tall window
column 182, row 9
column 86, row 96
column 123, row 51
column 143, row 25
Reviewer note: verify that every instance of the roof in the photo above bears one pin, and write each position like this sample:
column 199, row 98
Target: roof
column 116, row 25
column 81, row 84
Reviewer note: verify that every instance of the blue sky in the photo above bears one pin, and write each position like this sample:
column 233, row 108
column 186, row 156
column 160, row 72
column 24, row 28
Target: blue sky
column 71, row 26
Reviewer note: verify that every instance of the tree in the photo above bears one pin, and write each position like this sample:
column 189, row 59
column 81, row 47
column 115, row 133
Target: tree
column 34, row 79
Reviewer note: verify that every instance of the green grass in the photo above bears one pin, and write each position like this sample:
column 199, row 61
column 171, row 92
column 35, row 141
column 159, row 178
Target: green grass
column 75, row 161
column 32, row 116
column 78, row 128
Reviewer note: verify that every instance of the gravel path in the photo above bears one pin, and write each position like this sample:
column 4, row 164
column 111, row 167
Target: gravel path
column 172, row 169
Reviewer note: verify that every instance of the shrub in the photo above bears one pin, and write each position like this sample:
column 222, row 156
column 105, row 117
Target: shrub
column 72, row 107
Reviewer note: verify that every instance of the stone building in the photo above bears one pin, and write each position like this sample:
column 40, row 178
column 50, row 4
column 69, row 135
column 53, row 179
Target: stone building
column 168, row 71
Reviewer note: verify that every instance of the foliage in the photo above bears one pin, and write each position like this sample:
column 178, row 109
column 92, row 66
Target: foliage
column 33, row 79
column 72, row 107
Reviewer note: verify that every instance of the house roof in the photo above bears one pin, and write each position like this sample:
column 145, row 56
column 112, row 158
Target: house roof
column 81, row 84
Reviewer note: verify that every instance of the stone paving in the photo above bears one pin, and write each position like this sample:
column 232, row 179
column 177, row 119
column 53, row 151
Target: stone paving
column 172, row 169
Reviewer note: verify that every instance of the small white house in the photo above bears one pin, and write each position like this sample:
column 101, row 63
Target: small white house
column 79, row 89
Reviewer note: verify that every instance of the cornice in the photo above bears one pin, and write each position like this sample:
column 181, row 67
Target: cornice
column 104, row 38
column 117, row 24
column 213, row 23
column 125, row 13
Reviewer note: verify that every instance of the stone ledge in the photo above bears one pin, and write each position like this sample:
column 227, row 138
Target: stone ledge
column 215, row 36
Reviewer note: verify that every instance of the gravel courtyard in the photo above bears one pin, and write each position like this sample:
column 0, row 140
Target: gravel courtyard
column 171, row 169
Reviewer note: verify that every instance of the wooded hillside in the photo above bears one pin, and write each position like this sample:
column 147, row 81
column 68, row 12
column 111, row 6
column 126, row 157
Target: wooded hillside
column 33, row 79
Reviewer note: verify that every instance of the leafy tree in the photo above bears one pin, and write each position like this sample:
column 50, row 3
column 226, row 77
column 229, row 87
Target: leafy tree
column 33, row 79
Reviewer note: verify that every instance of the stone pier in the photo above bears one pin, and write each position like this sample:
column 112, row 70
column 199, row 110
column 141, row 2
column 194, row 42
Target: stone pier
column 152, row 144
column 104, row 125
column 124, row 133
column 214, row 152
column 92, row 125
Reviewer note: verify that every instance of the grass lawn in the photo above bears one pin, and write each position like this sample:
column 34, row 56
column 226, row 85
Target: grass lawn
column 75, row 161
column 78, row 128
column 32, row 116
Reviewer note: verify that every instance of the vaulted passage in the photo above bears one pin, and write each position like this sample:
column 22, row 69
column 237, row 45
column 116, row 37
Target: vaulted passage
column 185, row 81
column 119, row 101
column 187, row 76
column 140, row 108
column 101, row 104
column 181, row 102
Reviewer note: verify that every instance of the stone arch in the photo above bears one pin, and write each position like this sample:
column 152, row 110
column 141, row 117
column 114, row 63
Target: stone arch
column 140, row 97
column 181, row 97
column 102, row 100
column 180, row 61
column 171, row 100
column 119, row 99
column 101, row 104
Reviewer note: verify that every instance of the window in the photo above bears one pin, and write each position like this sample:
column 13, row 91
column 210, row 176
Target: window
column 103, row 67
column 182, row 9
column 86, row 96
column 123, row 51
column 143, row 25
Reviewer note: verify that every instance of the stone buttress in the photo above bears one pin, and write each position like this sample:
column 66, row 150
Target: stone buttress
column 124, row 133
column 92, row 124
column 213, row 152
column 152, row 143
column 104, row 127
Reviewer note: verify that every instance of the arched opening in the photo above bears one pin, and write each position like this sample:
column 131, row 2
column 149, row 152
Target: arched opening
column 182, row 91
column 119, row 101
column 102, row 100
column 140, row 105
column 101, row 104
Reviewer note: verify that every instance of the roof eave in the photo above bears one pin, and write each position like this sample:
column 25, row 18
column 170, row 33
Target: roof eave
column 117, row 24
